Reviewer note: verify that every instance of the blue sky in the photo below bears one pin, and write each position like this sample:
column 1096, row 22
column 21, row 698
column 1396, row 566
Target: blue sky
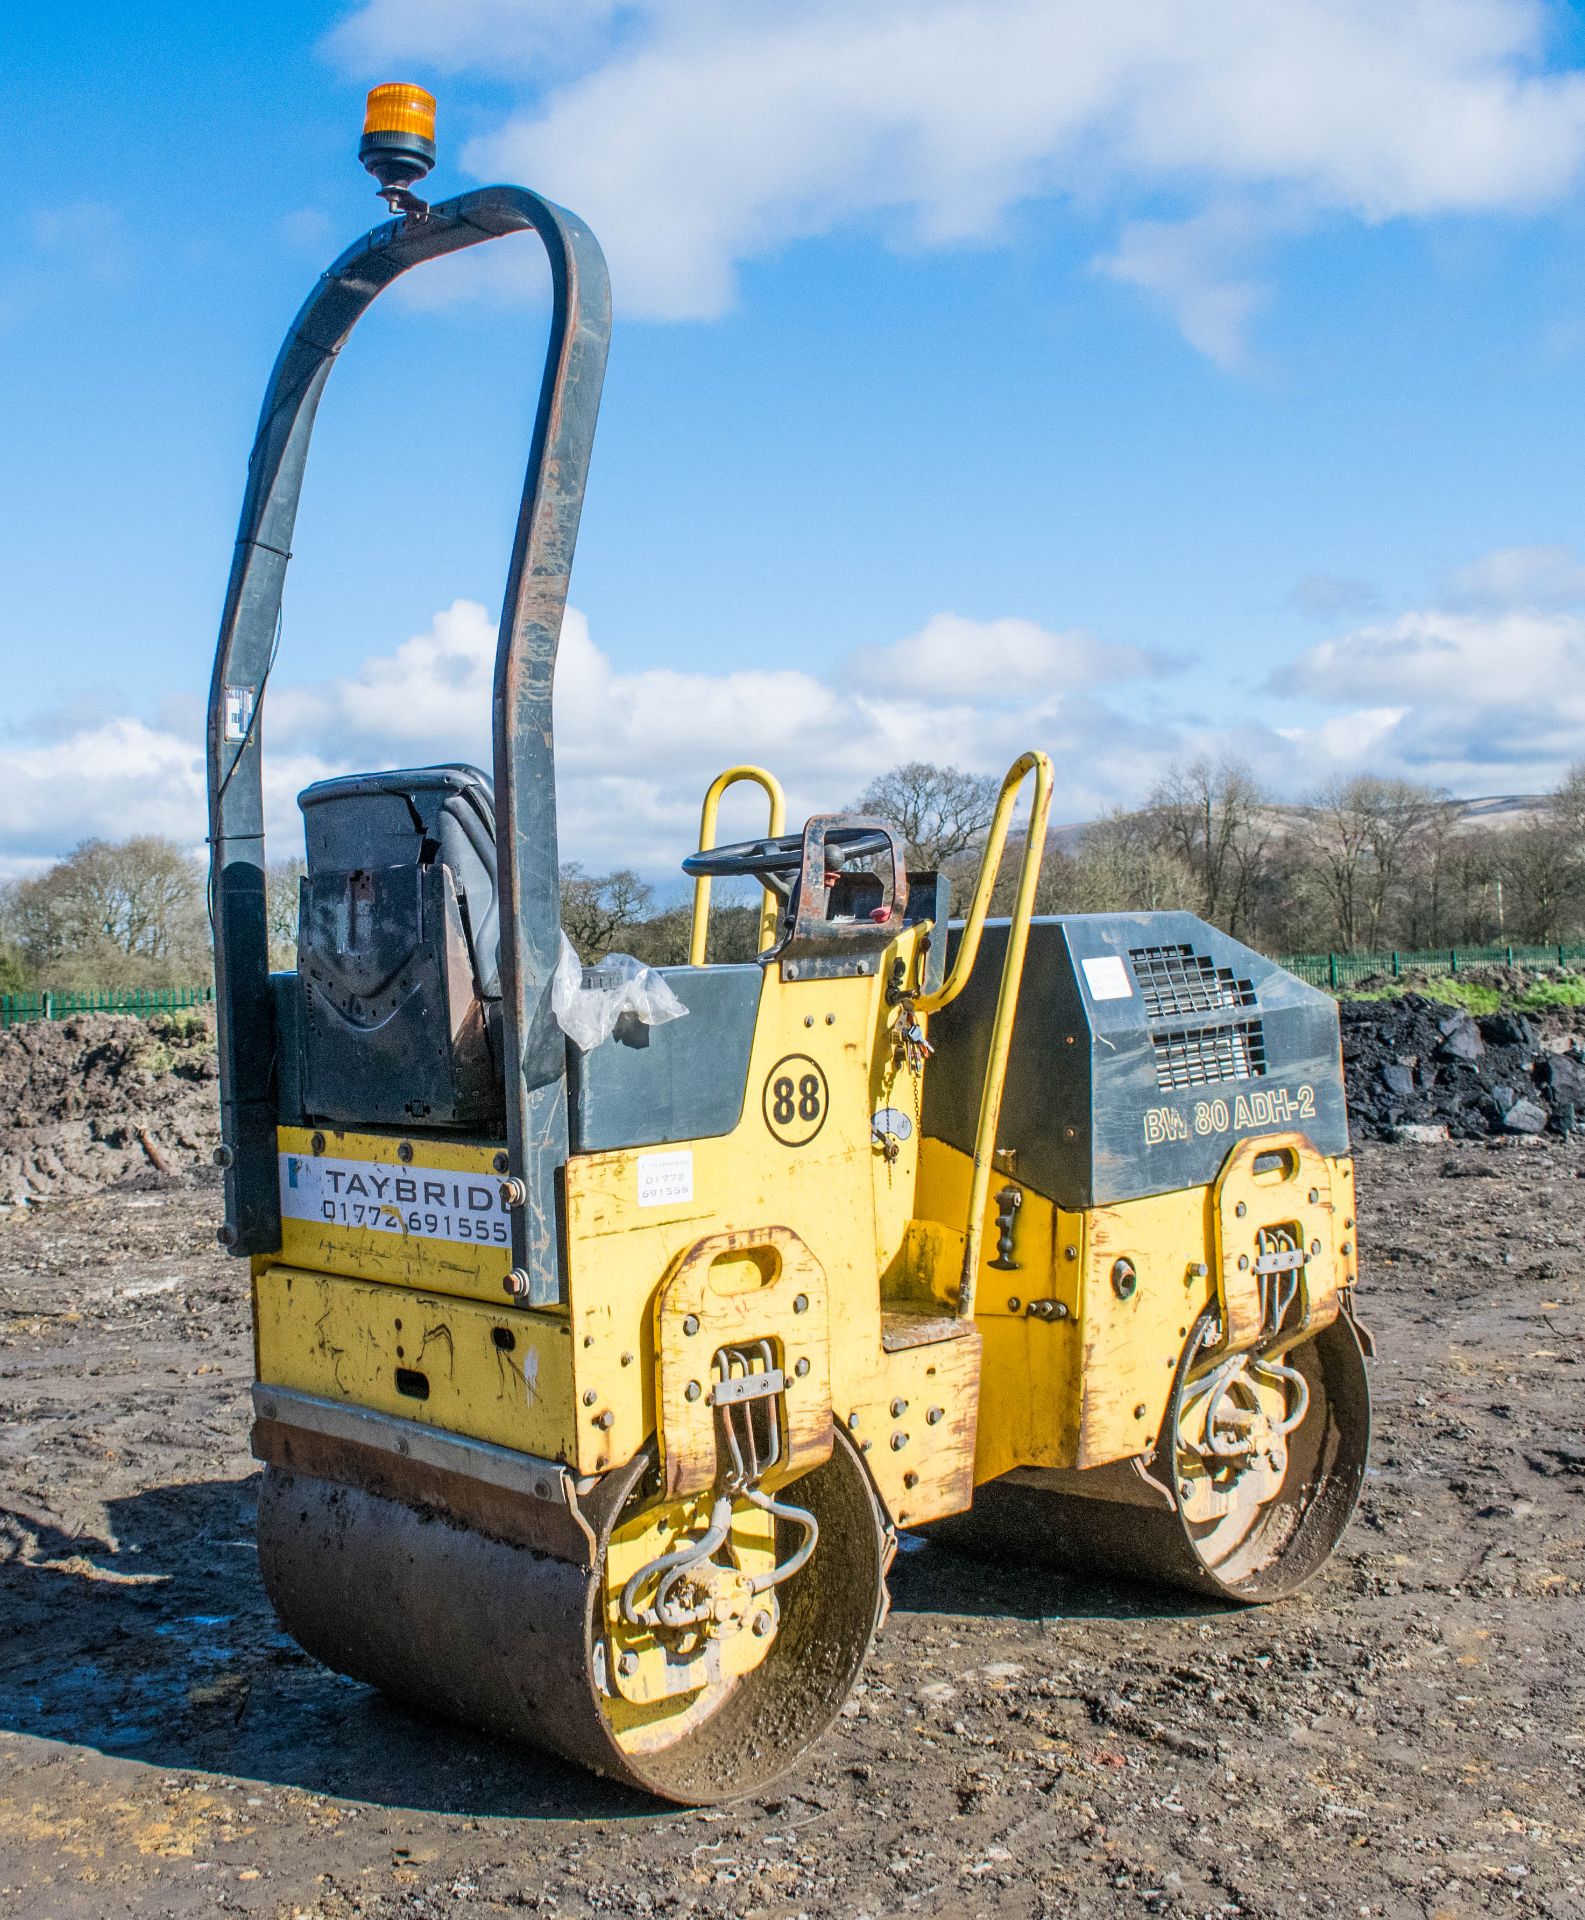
column 1128, row 379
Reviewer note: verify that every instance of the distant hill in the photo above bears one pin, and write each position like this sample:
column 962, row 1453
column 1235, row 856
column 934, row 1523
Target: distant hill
column 1484, row 813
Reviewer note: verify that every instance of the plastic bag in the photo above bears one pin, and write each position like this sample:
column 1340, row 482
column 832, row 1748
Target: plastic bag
column 589, row 1001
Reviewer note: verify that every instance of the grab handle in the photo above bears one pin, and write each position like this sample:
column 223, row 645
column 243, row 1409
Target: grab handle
column 770, row 908
column 1039, row 764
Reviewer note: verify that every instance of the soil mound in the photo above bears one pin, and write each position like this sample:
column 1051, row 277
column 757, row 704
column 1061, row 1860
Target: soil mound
column 1413, row 1064
column 99, row 1099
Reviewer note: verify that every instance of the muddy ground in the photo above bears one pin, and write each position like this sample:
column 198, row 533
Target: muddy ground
column 1406, row 1739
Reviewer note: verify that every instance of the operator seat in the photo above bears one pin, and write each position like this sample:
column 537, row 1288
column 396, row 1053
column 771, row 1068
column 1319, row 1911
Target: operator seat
column 398, row 950
column 398, row 996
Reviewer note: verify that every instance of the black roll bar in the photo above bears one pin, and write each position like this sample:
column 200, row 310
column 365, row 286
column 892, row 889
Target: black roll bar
column 525, row 661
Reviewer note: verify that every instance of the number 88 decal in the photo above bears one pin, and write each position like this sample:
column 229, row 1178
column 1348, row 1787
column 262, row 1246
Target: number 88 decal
column 795, row 1100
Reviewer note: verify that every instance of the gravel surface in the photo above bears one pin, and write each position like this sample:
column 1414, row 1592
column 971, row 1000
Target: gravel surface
column 1404, row 1739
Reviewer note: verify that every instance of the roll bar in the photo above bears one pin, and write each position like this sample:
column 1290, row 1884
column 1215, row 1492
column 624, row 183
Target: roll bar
column 525, row 796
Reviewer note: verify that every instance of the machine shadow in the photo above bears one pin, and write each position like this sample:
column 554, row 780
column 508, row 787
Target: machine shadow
column 931, row 1575
column 157, row 1644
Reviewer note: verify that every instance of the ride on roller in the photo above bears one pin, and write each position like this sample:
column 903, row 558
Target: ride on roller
column 593, row 1387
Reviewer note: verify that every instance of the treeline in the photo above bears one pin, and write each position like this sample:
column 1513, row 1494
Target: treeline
column 1366, row 864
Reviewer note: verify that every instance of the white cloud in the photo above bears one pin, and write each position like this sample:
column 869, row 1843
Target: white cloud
column 1475, row 701
column 99, row 781
column 698, row 134
column 1196, row 269
column 1481, row 700
column 634, row 750
column 1543, row 576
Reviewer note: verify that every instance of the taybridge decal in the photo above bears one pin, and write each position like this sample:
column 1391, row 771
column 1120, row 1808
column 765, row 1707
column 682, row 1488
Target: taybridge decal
column 426, row 1202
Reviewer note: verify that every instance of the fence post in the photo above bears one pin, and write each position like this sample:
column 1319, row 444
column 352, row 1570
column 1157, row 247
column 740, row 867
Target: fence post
column 1395, row 963
column 1560, row 956
column 1510, row 956
column 1452, row 959
column 1331, row 968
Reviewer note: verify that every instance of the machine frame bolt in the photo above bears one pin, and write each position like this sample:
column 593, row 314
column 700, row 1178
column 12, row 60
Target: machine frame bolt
column 227, row 1235
column 404, row 1152
column 589, row 1396
column 899, row 1441
column 606, row 1421
column 627, row 1665
column 692, row 1391
column 516, row 1283
column 899, row 1408
column 223, row 1156
column 1240, row 1210
column 691, row 1323
column 801, row 1367
column 1014, row 1304
column 317, row 1144
column 500, row 1163
column 761, row 1624
column 933, row 1415
column 801, row 1303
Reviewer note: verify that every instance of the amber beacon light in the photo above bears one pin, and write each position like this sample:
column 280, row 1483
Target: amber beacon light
column 398, row 144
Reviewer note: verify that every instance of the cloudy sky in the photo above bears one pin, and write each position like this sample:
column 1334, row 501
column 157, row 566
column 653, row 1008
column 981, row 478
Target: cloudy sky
column 1123, row 377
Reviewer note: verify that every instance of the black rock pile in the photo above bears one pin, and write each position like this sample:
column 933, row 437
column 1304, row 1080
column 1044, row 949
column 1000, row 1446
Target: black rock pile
column 1414, row 1064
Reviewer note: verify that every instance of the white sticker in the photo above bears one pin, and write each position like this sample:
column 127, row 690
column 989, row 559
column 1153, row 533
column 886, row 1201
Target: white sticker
column 238, row 713
column 665, row 1179
column 1107, row 978
column 426, row 1202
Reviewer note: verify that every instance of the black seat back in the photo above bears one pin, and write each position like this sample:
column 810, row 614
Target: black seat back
column 397, row 950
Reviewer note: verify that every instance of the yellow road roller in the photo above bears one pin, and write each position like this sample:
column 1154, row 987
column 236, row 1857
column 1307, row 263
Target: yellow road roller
column 600, row 1362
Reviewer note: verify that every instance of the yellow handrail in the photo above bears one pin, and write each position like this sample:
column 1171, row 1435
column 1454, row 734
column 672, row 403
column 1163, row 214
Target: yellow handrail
column 1007, row 996
column 770, row 910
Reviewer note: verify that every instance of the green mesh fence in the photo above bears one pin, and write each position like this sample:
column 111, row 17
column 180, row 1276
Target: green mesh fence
column 17, row 1008
column 1344, row 969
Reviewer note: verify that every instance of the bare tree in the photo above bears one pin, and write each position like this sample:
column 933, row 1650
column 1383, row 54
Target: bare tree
column 128, row 913
column 1370, row 840
column 1121, row 865
column 1213, row 816
column 939, row 811
column 282, row 890
column 596, row 907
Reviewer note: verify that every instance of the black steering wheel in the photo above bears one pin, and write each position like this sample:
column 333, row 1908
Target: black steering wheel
column 782, row 856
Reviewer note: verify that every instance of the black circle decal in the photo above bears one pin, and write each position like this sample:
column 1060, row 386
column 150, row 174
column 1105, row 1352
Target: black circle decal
column 796, row 1098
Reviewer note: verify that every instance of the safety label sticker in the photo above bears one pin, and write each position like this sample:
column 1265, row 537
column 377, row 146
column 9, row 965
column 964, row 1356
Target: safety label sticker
column 427, row 1202
column 1107, row 978
column 665, row 1179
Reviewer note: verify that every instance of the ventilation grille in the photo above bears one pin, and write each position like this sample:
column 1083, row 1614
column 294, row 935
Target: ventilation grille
column 1179, row 980
column 1198, row 1056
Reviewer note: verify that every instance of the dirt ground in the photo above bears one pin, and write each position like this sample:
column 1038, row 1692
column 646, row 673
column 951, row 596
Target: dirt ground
column 1406, row 1739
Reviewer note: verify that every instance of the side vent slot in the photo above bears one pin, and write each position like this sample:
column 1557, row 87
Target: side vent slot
column 1177, row 980
column 1200, row 1056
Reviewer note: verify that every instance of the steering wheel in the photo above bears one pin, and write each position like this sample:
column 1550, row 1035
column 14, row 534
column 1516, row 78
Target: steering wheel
column 782, row 856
